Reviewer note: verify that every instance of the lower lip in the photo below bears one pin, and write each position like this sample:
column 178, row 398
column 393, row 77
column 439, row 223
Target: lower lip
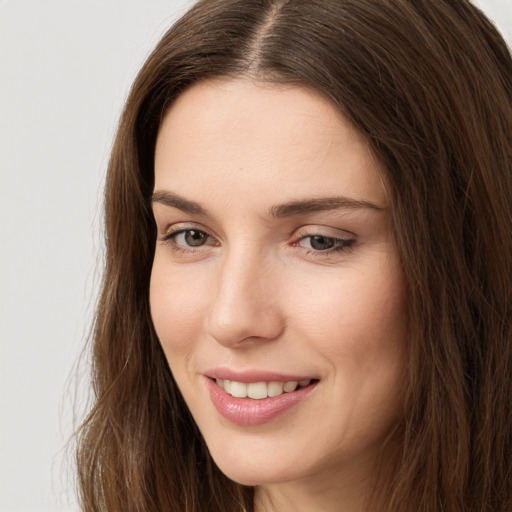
column 247, row 411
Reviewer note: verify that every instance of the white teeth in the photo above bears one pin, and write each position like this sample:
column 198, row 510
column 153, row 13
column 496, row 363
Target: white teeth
column 275, row 388
column 257, row 390
column 260, row 390
column 290, row 386
column 238, row 389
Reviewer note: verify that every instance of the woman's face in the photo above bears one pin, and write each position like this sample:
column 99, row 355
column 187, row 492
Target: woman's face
column 275, row 273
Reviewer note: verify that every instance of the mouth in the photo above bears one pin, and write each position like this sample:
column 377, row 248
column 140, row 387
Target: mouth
column 261, row 390
column 257, row 402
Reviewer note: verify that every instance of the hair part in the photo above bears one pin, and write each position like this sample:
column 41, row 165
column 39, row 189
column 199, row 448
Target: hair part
column 429, row 84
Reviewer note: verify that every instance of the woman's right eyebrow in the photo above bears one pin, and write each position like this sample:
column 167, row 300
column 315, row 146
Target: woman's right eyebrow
column 175, row 201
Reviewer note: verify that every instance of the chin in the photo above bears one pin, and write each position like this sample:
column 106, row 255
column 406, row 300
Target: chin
column 245, row 474
column 251, row 469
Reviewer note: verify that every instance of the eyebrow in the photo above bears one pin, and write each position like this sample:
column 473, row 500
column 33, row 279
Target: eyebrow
column 325, row 203
column 289, row 209
column 175, row 201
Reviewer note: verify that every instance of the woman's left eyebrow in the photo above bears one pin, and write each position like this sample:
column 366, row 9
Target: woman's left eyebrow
column 325, row 203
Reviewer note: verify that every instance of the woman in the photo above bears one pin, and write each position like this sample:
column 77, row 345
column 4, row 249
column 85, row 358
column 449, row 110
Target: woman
column 307, row 293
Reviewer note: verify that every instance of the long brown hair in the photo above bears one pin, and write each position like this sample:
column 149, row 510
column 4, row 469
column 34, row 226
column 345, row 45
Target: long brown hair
column 429, row 84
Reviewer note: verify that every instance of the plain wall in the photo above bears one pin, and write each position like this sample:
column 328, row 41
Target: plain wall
column 65, row 69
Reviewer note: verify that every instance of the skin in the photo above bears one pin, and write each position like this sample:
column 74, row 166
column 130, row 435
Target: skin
column 258, row 293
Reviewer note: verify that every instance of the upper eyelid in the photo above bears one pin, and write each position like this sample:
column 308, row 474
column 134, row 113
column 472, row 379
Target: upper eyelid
column 176, row 227
column 327, row 231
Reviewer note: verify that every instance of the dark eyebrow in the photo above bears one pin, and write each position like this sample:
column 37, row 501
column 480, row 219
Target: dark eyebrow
column 175, row 201
column 325, row 203
column 289, row 209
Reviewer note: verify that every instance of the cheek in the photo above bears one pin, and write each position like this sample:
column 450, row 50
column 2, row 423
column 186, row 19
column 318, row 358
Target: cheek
column 363, row 309
column 177, row 308
column 358, row 323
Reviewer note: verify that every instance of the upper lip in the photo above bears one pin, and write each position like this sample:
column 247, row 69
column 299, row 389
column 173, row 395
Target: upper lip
column 254, row 375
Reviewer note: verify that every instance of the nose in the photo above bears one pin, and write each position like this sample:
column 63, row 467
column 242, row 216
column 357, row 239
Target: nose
column 246, row 306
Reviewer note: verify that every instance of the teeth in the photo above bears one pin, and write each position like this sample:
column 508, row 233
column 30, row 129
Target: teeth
column 260, row 390
column 238, row 389
column 275, row 388
column 290, row 386
column 257, row 390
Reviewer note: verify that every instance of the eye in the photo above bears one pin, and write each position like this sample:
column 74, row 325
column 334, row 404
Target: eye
column 185, row 240
column 323, row 245
column 190, row 237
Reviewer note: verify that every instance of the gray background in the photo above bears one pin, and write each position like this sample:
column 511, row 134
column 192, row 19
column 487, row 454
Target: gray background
column 65, row 69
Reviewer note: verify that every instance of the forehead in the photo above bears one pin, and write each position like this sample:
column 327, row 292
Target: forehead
column 262, row 137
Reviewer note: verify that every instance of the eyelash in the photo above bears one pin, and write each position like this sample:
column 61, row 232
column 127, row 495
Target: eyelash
column 340, row 245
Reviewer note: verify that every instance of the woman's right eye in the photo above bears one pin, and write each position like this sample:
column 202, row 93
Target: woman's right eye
column 191, row 238
column 186, row 240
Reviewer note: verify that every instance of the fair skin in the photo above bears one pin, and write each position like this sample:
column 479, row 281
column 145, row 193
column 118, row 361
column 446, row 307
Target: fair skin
column 274, row 262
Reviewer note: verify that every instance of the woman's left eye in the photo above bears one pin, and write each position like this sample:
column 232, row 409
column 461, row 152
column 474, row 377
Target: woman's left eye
column 324, row 244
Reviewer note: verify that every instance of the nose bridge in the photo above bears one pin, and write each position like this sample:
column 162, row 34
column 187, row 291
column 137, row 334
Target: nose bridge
column 245, row 305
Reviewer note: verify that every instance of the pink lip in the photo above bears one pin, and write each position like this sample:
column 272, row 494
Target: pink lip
column 254, row 376
column 246, row 411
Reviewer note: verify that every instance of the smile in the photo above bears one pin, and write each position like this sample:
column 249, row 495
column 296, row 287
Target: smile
column 258, row 402
column 260, row 390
